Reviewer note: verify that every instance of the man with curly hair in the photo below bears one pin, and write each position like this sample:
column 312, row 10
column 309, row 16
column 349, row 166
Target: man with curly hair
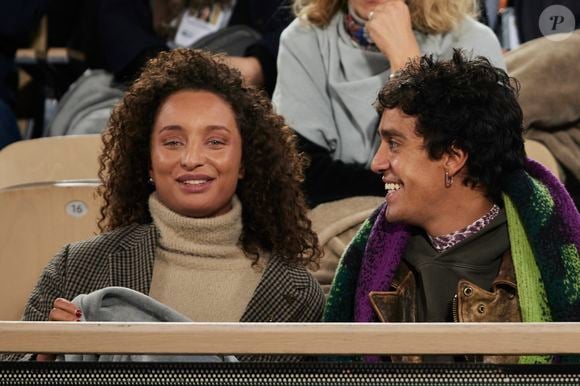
column 471, row 230
column 202, row 204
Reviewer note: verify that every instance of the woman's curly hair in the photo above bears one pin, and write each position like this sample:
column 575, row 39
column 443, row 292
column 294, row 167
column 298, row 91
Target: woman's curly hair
column 467, row 104
column 273, row 206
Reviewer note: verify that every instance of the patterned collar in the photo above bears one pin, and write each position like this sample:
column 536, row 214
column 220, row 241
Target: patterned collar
column 355, row 26
column 443, row 243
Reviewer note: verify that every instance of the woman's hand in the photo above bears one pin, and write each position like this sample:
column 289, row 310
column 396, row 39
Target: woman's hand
column 390, row 28
column 62, row 311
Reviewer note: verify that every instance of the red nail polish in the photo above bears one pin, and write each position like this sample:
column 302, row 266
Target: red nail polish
column 78, row 313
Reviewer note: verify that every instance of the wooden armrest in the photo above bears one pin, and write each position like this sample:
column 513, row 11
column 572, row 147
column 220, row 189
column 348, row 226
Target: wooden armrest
column 63, row 55
column 291, row 338
column 25, row 56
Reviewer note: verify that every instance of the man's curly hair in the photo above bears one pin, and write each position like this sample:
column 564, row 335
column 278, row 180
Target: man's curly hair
column 273, row 206
column 466, row 104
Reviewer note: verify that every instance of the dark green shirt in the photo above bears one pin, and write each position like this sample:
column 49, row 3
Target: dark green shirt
column 477, row 259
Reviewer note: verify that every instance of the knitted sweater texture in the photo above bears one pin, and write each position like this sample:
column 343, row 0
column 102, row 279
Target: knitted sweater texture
column 544, row 231
column 200, row 269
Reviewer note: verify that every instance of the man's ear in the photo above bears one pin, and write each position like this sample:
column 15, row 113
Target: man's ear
column 455, row 160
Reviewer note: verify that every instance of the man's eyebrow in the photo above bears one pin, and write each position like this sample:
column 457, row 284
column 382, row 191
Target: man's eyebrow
column 389, row 132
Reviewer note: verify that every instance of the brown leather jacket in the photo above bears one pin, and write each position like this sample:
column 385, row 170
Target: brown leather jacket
column 470, row 304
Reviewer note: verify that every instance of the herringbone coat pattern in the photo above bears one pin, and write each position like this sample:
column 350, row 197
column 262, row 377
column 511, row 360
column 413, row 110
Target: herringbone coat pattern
column 125, row 257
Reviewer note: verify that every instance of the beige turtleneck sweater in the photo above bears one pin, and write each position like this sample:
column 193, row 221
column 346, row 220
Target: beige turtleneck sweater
column 200, row 269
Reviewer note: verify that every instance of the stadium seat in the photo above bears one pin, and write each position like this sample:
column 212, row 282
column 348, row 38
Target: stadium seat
column 47, row 159
column 36, row 221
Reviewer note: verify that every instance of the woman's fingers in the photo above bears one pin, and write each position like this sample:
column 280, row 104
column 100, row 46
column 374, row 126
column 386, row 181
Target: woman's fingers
column 394, row 10
column 64, row 311
column 390, row 28
column 58, row 315
column 45, row 357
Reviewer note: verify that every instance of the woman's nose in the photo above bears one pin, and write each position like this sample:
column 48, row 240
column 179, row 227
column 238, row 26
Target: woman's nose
column 191, row 157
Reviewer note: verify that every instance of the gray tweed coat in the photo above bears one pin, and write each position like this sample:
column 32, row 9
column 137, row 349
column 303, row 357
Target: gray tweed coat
column 124, row 257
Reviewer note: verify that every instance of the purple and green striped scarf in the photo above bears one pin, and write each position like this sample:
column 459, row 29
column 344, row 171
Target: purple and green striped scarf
column 543, row 218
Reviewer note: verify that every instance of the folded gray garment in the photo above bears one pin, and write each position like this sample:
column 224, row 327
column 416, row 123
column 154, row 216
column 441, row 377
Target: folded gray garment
column 119, row 304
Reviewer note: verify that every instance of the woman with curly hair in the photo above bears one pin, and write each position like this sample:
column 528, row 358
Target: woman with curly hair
column 202, row 204
column 334, row 58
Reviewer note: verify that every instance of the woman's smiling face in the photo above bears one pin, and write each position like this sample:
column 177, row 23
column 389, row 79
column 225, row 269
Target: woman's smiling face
column 196, row 154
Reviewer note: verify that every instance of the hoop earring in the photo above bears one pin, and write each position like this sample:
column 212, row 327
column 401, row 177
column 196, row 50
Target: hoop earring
column 448, row 179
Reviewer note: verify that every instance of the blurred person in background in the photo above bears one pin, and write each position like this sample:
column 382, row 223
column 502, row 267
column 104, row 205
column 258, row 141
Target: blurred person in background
column 18, row 21
column 119, row 36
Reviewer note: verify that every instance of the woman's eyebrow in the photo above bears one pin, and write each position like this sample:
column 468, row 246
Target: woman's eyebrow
column 217, row 128
column 171, row 128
